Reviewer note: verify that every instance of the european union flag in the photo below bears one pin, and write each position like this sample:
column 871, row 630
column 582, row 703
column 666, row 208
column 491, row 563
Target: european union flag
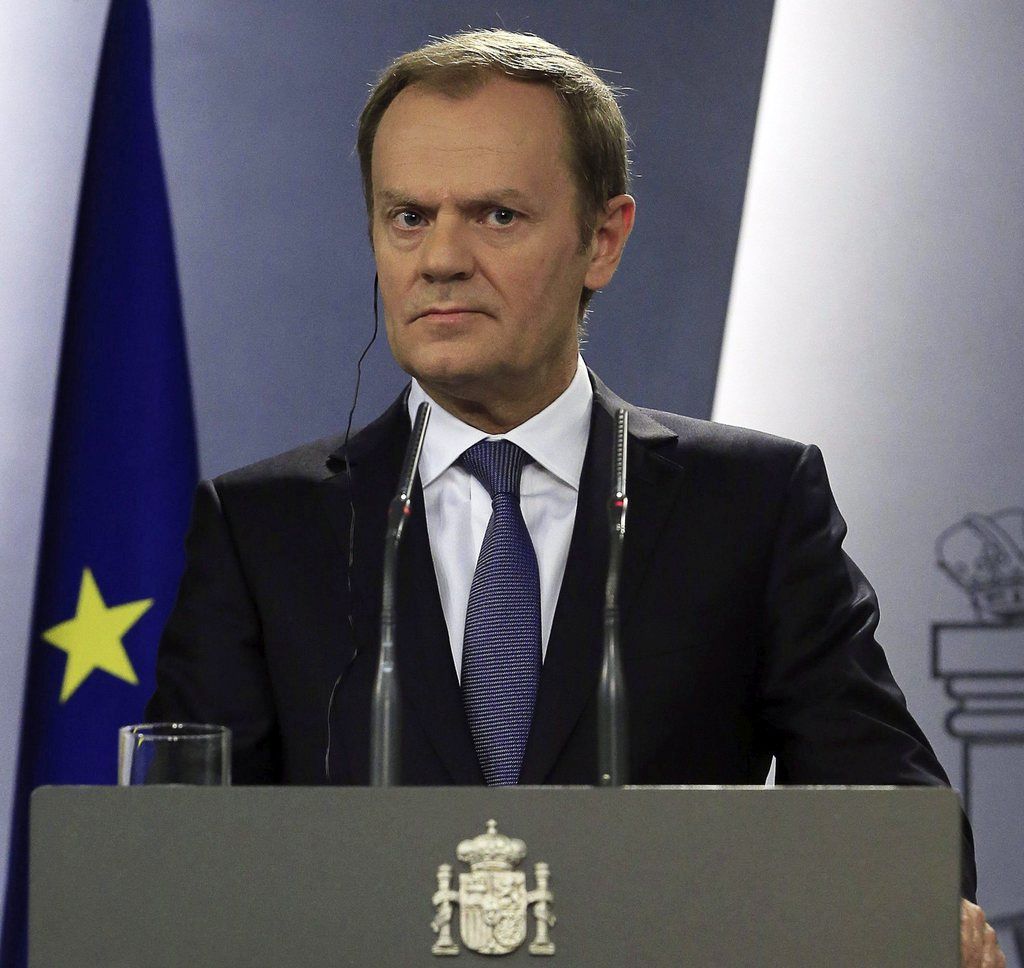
column 122, row 458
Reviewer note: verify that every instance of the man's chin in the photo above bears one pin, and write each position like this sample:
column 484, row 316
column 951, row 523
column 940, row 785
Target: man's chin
column 451, row 382
column 445, row 370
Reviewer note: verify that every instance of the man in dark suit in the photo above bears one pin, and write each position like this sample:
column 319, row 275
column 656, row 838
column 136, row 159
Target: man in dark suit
column 495, row 171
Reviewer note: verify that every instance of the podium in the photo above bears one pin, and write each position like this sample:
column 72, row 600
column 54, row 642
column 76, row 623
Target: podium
column 282, row 877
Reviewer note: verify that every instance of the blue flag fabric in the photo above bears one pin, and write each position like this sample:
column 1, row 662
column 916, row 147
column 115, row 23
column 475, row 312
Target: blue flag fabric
column 122, row 459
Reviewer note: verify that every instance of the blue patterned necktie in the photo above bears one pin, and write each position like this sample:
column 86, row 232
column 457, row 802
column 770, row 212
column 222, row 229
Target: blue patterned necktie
column 501, row 651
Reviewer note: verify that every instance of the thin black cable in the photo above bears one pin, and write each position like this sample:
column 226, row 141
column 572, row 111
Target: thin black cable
column 351, row 525
column 348, row 463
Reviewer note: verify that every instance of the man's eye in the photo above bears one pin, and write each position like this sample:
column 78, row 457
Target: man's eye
column 502, row 216
column 408, row 220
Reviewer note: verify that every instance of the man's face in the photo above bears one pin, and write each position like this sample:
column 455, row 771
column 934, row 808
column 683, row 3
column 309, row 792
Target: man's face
column 477, row 242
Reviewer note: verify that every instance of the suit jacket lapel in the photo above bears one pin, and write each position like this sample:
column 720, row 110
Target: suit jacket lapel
column 425, row 664
column 572, row 660
column 572, row 664
column 361, row 481
column 426, row 671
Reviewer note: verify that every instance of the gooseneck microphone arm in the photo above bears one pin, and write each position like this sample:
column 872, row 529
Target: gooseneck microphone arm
column 385, row 710
column 612, row 708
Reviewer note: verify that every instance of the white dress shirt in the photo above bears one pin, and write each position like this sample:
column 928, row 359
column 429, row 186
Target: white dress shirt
column 458, row 506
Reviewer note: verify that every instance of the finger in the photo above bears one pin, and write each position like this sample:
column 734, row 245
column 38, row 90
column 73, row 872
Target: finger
column 974, row 916
column 969, row 928
column 972, row 925
column 993, row 954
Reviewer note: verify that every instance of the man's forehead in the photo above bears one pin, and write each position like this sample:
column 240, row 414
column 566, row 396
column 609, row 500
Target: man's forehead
column 502, row 143
column 498, row 115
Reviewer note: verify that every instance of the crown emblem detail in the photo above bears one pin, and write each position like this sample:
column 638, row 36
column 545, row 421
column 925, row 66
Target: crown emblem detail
column 491, row 851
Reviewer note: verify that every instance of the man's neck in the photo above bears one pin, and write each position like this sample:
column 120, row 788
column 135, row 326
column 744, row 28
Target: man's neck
column 496, row 412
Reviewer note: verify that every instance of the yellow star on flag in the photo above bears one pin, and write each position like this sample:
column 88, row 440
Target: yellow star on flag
column 92, row 639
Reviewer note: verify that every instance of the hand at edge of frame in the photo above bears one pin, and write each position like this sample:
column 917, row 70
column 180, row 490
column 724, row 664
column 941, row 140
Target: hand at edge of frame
column 979, row 947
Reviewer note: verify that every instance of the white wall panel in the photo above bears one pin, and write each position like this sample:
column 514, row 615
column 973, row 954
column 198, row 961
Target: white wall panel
column 876, row 310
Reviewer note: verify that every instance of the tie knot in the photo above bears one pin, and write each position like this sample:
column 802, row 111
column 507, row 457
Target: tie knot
column 497, row 464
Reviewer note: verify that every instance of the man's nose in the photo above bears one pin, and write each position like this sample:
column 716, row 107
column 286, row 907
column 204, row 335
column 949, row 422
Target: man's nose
column 446, row 252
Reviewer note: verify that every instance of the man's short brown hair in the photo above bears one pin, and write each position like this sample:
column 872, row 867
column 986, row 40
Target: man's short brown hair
column 459, row 64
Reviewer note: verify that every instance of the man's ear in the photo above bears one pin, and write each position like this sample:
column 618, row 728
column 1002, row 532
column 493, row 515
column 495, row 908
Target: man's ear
column 610, row 235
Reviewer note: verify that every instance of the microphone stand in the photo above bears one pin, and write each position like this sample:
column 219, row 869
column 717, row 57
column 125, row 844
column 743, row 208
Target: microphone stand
column 385, row 711
column 612, row 707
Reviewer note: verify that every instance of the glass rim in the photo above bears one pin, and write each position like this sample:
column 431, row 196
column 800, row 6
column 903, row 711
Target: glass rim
column 171, row 731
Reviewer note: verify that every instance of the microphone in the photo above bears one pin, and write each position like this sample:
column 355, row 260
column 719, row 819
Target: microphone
column 385, row 711
column 612, row 708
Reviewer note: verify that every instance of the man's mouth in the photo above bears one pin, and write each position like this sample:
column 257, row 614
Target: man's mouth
column 448, row 314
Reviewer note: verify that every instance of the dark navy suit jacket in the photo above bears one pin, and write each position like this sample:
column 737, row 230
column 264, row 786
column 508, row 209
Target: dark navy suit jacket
column 747, row 632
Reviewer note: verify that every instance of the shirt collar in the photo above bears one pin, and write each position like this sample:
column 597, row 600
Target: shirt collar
column 556, row 438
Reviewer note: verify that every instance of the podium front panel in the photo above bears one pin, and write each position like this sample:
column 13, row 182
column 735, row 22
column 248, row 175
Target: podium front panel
column 163, row 877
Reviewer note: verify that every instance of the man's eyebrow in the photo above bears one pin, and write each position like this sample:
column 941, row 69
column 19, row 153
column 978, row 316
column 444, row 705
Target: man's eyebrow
column 395, row 198
column 388, row 196
column 512, row 195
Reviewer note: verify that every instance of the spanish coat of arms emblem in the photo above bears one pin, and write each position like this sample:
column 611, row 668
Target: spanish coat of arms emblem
column 492, row 899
